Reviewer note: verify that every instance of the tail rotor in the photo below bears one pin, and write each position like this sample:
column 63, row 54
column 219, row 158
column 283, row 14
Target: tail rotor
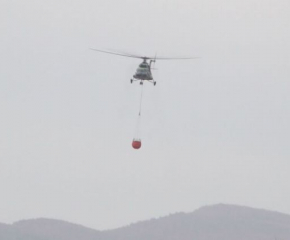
column 154, row 60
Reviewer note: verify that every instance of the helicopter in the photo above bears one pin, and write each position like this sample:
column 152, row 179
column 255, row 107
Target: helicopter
column 143, row 72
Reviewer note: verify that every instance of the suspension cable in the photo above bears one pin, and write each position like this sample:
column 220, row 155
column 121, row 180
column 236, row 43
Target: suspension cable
column 141, row 98
column 138, row 123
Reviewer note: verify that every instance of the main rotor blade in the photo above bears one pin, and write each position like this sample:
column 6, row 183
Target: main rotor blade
column 126, row 53
column 119, row 54
column 155, row 57
column 123, row 54
column 174, row 58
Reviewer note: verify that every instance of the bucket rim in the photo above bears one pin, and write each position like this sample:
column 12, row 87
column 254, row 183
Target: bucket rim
column 136, row 140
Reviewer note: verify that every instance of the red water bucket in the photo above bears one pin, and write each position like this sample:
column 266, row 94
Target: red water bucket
column 136, row 144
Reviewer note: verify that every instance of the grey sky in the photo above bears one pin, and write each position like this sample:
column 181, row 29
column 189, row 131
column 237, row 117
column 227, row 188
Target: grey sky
column 213, row 130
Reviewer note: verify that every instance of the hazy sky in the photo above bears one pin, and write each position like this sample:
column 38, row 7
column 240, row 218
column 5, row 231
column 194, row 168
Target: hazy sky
column 214, row 129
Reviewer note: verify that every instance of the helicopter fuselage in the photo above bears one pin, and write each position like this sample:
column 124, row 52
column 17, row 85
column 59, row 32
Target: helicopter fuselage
column 143, row 72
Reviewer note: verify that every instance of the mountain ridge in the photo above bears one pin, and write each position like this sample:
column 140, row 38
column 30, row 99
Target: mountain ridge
column 202, row 211
column 212, row 222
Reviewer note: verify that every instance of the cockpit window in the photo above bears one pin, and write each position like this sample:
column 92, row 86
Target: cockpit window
column 141, row 70
column 143, row 65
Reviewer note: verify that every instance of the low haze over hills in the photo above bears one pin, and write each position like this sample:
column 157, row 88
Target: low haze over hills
column 218, row 222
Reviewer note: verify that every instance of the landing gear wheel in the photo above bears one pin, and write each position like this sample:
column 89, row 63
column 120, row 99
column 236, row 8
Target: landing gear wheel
column 141, row 83
column 131, row 80
column 154, row 83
